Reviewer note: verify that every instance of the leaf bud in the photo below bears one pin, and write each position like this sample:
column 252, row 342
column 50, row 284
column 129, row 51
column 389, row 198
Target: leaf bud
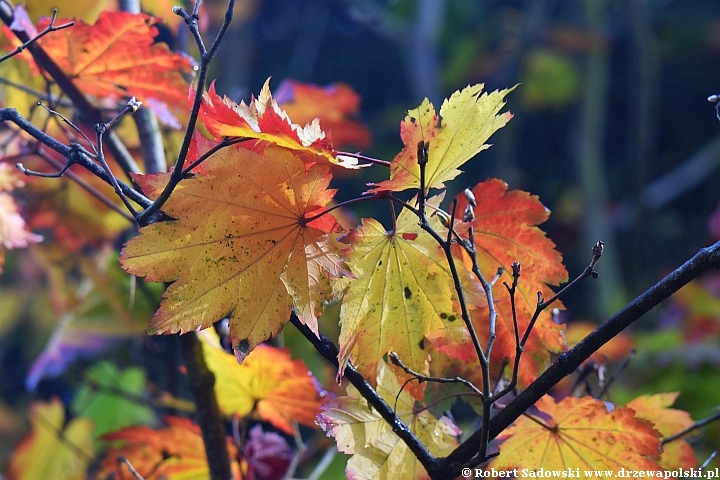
column 469, row 214
column 714, row 98
column 444, row 218
column 134, row 104
column 470, row 196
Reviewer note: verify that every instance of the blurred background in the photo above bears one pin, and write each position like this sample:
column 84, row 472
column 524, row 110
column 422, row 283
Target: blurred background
column 612, row 129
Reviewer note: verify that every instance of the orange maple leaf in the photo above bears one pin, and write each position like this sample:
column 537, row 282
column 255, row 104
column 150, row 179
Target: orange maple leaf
column 174, row 452
column 377, row 452
column 668, row 421
column 269, row 380
column 244, row 244
column 505, row 231
column 52, row 449
column 332, row 104
column 579, row 434
column 458, row 133
column 264, row 120
column 117, row 57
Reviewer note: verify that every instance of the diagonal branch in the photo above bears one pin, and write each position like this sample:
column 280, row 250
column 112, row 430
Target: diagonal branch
column 569, row 361
column 329, row 351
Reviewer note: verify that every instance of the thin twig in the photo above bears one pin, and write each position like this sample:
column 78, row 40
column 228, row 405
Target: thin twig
column 206, row 57
column 41, row 95
column 708, row 460
column 569, row 361
column 100, row 130
column 542, row 305
column 327, row 349
column 129, row 466
column 323, row 464
column 226, row 142
column 50, row 28
column 377, row 161
column 700, row 423
column 394, row 358
column 74, row 153
column 616, row 374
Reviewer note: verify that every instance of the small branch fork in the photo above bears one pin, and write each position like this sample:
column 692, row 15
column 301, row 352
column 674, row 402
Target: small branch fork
column 50, row 28
column 206, row 57
column 104, row 135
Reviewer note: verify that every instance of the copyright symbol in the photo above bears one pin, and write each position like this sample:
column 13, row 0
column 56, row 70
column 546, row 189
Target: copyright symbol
column 466, row 472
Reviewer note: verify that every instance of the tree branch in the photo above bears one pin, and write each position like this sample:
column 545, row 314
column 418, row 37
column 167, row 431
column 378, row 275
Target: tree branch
column 569, row 361
column 202, row 382
column 329, row 351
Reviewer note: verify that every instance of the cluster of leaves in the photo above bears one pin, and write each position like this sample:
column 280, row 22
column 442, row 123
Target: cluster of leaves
column 244, row 229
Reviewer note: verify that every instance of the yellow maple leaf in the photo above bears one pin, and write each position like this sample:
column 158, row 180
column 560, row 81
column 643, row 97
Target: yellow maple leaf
column 466, row 121
column 51, row 451
column 377, row 452
column 244, row 245
column 668, row 421
column 269, row 380
column 579, row 434
column 402, row 293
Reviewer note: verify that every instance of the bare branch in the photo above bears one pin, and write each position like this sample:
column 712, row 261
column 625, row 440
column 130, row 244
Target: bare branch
column 569, row 361
column 50, row 28
column 206, row 57
column 394, row 358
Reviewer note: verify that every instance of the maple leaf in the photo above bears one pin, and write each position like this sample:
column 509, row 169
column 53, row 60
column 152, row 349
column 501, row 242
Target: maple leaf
column 579, row 433
column 269, row 380
column 332, row 104
column 51, row 449
column 117, row 57
column 243, row 245
column 505, row 231
column 13, row 231
column 668, row 421
column 466, row 121
column 264, row 120
column 174, row 452
column 403, row 291
column 377, row 452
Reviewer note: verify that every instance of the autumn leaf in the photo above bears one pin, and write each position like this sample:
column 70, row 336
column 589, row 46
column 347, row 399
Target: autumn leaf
column 174, row 452
column 377, row 452
column 13, row 230
column 264, row 120
column 579, row 434
column 332, row 104
column 244, row 245
column 403, row 292
column 668, row 421
column 466, row 121
column 700, row 310
column 52, row 449
column 505, row 231
column 118, row 57
column 269, row 381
